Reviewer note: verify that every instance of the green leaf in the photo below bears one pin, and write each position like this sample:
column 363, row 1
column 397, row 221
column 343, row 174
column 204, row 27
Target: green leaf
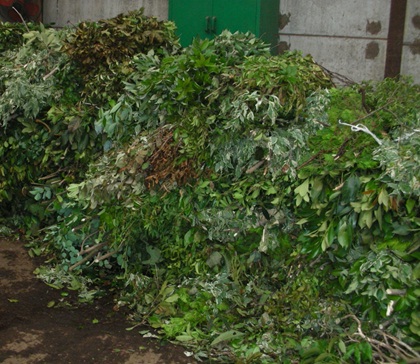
column 350, row 189
column 238, row 196
column 410, row 204
column 184, row 338
column 271, row 191
column 342, row 346
column 383, row 198
column 214, row 259
column 352, row 287
column 303, row 189
column 173, row 298
column 344, row 235
column 328, row 237
column 226, row 336
column 365, row 219
column 115, row 108
column 379, row 216
column 155, row 255
column 316, row 189
column 366, row 351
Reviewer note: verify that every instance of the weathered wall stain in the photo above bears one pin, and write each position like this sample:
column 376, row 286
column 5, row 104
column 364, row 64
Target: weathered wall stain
column 416, row 21
column 284, row 19
column 373, row 27
column 415, row 47
column 372, row 50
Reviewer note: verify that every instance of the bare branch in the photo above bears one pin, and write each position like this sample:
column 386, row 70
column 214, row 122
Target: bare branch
column 21, row 18
column 84, row 260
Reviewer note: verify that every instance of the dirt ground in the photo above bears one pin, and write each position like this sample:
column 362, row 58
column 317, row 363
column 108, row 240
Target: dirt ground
column 31, row 332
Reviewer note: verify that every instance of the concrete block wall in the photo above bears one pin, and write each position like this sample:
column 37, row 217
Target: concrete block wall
column 410, row 64
column 67, row 12
column 348, row 37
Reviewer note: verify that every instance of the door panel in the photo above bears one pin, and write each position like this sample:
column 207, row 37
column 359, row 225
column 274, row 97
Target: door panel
column 236, row 15
column 190, row 18
column 206, row 18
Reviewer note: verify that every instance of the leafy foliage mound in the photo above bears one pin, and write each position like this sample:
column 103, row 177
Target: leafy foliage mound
column 28, row 86
column 102, row 51
column 250, row 209
column 117, row 40
column 46, row 117
column 11, row 35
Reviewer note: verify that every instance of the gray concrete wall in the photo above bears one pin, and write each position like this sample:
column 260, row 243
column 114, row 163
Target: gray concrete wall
column 67, row 12
column 348, row 37
column 411, row 49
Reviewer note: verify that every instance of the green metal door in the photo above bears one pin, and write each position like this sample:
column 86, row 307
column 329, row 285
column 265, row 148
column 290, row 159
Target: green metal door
column 192, row 18
column 268, row 22
column 235, row 15
column 206, row 18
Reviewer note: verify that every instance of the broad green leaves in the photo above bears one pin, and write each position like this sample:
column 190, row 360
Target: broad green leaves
column 217, row 186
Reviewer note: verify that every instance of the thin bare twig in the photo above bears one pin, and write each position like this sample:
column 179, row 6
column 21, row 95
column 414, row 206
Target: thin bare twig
column 21, row 18
column 42, row 123
column 92, row 248
column 397, row 348
column 82, row 251
column 311, row 159
column 50, row 73
column 84, row 260
column 400, row 343
column 255, row 166
column 107, row 255
column 51, row 175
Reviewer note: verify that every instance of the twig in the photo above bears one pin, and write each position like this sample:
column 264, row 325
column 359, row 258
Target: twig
column 50, row 73
column 51, row 175
column 341, row 78
column 107, row 255
column 400, row 343
column 82, row 251
column 21, row 18
column 310, row 159
column 92, row 248
column 374, row 112
column 397, row 348
column 342, row 149
column 84, row 260
column 255, row 167
column 41, row 122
